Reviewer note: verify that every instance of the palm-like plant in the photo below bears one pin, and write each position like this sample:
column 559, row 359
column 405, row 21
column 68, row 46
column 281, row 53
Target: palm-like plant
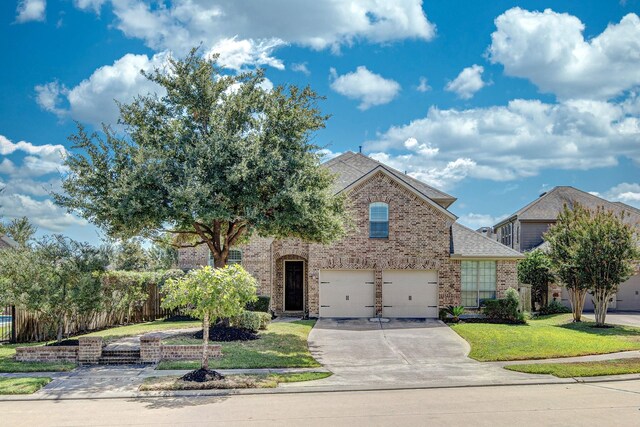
column 455, row 311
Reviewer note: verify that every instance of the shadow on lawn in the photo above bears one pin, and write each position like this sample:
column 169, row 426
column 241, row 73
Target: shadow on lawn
column 611, row 330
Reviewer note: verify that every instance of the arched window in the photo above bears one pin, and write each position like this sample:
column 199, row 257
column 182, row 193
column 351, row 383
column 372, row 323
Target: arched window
column 235, row 257
column 378, row 220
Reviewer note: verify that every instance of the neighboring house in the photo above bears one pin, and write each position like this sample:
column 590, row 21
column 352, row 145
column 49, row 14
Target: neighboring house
column 7, row 242
column 404, row 257
column 524, row 231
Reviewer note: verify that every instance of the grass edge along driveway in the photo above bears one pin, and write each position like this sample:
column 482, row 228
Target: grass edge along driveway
column 581, row 369
column 22, row 385
column 544, row 338
column 282, row 345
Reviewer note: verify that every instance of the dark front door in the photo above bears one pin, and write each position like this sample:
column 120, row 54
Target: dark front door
column 294, row 285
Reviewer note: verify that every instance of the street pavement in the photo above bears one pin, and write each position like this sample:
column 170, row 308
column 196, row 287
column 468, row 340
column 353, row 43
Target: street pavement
column 602, row 404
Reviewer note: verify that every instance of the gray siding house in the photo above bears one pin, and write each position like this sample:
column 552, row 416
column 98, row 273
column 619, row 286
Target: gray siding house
column 524, row 231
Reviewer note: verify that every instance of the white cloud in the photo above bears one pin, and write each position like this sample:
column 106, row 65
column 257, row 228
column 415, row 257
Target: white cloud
column 94, row 5
column 181, row 24
column 423, row 86
column 476, row 220
column 363, row 85
column 31, row 10
column 549, row 49
column 468, row 82
column 236, row 54
column 625, row 192
column 43, row 213
column 301, row 68
column 28, row 179
column 326, row 154
column 92, row 100
column 503, row 143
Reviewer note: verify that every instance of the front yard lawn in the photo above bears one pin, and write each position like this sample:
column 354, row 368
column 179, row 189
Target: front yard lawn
column 143, row 328
column 543, row 338
column 581, row 369
column 230, row 381
column 22, row 385
column 282, row 345
column 8, row 364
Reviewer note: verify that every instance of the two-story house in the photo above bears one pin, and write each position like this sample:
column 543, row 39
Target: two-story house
column 404, row 257
column 524, row 231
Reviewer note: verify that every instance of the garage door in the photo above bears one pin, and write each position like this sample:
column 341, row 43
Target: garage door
column 410, row 293
column 628, row 296
column 347, row 293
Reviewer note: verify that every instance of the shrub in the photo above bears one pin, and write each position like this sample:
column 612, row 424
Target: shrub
column 262, row 304
column 554, row 307
column 504, row 309
column 250, row 320
column 442, row 314
column 265, row 318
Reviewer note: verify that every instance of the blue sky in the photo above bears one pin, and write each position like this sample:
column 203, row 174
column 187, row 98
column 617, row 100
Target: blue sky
column 493, row 102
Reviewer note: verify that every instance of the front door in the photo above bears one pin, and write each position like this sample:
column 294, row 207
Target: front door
column 294, row 285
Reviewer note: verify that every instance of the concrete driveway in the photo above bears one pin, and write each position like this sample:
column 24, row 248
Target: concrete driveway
column 629, row 318
column 401, row 353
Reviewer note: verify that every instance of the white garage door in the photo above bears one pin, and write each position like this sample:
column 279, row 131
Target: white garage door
column 628, row 296
column 347, row 293
column 410, row 293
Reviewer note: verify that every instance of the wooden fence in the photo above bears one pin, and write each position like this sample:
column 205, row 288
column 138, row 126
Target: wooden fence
column 29, row 328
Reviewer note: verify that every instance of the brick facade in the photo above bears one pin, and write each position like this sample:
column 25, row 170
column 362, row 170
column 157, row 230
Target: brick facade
column 61, row 353
column 419, row 238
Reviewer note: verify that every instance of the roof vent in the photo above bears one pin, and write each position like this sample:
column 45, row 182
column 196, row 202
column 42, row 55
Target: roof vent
column 543, row 194
column 360, row 149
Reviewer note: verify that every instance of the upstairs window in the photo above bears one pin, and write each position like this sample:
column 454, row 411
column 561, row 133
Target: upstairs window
column 378, row 220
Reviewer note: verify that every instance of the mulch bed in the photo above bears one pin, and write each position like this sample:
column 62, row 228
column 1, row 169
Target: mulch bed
column 202, row 375
column 64, row 342
column 486, row 320
column 221, row 333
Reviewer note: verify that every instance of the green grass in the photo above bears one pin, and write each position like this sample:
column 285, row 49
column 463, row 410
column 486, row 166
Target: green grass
column 581, row 369
column 143, row 328
column 282, row 345
column 8, row 364
column 22, row 385
column 230, row 381
column 543, row 338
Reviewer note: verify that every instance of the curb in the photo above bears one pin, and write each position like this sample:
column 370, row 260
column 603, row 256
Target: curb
column 309, row 389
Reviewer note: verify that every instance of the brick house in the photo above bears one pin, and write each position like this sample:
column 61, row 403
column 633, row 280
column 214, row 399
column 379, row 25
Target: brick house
column 524, row 231
column 405, row 255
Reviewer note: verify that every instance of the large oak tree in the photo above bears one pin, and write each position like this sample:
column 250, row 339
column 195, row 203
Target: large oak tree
column 215, row 159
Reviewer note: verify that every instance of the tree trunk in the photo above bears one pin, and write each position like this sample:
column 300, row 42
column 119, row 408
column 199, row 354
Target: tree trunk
column 60, row 329
column 576, row 297
column 601, row 304
column 205, row 342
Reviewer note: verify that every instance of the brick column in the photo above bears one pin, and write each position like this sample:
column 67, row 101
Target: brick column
column 89, row 350
column 378, row 284
column 150, row 348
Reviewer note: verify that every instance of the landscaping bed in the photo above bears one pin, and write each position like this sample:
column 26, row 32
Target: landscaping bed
column 581, row 369
column 22, row 385
column 229, row 381
column 227, row 334
column 545, row 337
column 281, row 345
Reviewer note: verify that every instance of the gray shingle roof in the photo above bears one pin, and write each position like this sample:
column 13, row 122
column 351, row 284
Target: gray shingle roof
column 468, row 243
column 548, row 206
column 7, row 242
column 350, row 166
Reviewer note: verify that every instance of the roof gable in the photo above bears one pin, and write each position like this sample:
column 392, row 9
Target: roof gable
column 548, row 206
column 350, row 167
column 384, row 170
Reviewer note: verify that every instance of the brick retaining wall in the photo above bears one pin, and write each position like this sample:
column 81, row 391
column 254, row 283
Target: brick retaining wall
column 188, row 352
column 63, row 353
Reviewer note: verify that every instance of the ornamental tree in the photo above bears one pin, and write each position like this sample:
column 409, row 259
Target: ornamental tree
column 535, row 270
column 215, row 159
column 209, row 294
column 608, row 246
column 564, row 241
